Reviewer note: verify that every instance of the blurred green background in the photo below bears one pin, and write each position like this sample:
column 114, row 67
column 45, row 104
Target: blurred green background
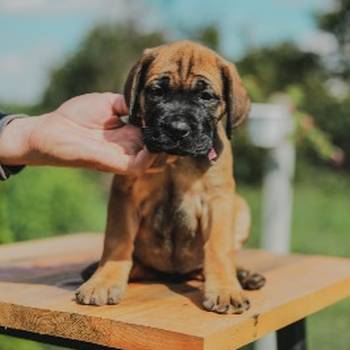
column 42, row 202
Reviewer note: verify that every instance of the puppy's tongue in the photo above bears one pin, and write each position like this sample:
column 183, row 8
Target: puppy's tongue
column 212, row 155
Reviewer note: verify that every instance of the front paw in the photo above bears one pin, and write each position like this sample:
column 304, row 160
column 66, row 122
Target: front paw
column 100, row 293
column 250, row 280
column 226, row 301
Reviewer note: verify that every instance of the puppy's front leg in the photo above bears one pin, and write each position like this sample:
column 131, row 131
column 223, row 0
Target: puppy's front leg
column 108, row 283
column 222, row 291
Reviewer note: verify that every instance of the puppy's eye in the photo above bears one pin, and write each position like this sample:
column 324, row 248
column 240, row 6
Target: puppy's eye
column 156, row 90
column 205, row 95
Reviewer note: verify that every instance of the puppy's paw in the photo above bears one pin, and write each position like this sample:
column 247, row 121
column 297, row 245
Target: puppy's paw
column 230, row 301
column 250, row 280
column 98, row 293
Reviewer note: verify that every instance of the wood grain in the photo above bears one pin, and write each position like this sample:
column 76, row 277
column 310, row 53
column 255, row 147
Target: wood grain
column 37, row 280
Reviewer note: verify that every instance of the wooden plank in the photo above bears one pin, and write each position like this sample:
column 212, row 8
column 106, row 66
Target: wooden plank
column 80, row 244
column 37, row 280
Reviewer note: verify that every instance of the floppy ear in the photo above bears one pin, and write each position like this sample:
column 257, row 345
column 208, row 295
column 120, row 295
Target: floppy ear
column 237, row 102
column 134, row 84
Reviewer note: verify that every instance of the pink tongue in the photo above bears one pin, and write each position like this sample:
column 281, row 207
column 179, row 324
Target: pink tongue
column 212, row 154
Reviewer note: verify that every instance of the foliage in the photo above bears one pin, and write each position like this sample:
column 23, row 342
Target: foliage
column 5, row 232
column 275, row 68
column 47, row 201
column 11, row 343
column 248, row 160
column 7, row 343
column 284, row 68
column 332, row 116
column 209, row 36
column 100, row 64
column 337, row 22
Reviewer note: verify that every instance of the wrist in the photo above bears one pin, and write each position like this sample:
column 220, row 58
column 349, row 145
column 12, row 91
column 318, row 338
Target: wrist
column 15, row 146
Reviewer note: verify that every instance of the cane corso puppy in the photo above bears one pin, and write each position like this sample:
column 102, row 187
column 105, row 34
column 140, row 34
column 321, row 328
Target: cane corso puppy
column 183, row 215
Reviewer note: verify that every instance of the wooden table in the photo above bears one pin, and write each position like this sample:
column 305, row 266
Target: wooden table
column 37, row 279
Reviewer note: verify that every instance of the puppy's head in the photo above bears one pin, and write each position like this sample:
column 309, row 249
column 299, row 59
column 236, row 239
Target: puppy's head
column 178, row 92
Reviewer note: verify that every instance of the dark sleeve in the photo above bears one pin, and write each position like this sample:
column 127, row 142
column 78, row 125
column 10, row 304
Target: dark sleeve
column 5, row 170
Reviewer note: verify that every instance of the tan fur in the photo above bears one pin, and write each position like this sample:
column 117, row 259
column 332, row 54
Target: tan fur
column 217, row 220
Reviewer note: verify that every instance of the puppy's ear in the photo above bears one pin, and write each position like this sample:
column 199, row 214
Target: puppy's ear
column 237, row 102
column 135, row 82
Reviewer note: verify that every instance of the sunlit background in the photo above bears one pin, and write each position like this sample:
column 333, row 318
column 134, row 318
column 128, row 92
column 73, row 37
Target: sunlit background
column 53, row 50
column 36, row 35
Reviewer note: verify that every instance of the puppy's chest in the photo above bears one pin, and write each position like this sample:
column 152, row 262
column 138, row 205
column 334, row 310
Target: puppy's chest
column 175, row 217
column 170, row 235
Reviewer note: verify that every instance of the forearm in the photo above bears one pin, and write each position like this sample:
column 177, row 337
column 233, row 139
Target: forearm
column 15, row 148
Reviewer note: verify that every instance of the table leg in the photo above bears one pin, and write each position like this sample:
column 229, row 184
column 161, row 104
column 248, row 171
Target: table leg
column 292, row 337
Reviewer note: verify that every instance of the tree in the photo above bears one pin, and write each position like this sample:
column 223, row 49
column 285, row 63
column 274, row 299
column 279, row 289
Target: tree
column 275, row 68
column 337, row 22
column 283, row 68
column 100, row 64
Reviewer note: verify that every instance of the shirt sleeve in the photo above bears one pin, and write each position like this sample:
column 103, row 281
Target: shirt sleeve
column 5, row 170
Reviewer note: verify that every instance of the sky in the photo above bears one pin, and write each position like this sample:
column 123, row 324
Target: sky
column 37, row 35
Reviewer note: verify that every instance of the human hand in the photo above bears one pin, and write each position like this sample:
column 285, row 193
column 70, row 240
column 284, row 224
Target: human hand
column 85, row 131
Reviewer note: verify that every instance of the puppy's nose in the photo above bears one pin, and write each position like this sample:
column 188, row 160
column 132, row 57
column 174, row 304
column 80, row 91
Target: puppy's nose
column 178, row 129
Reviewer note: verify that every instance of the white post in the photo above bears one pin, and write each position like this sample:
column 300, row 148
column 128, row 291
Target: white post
column 277, row 198
column 270, row 127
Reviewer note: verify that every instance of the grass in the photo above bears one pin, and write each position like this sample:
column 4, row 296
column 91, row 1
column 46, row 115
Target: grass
column 321, row 225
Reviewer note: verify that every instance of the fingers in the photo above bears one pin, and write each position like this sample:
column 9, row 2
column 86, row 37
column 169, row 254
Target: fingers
column 116, row 161
column 119, row 108
column 119, row 105
column 112, row 158
column 113, row 122
column 143, row 160
column 108, row 157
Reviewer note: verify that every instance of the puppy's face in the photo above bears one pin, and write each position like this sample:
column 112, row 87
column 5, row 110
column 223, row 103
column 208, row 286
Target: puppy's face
column 177, row 93
column 180, row 117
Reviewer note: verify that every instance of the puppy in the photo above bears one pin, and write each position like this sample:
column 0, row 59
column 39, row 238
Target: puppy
column 183, row 215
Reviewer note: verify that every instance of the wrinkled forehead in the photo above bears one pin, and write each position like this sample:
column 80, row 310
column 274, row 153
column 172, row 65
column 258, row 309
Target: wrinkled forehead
column 185, row 66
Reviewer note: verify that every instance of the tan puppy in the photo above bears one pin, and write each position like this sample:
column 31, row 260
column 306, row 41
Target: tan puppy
column 184, row 214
